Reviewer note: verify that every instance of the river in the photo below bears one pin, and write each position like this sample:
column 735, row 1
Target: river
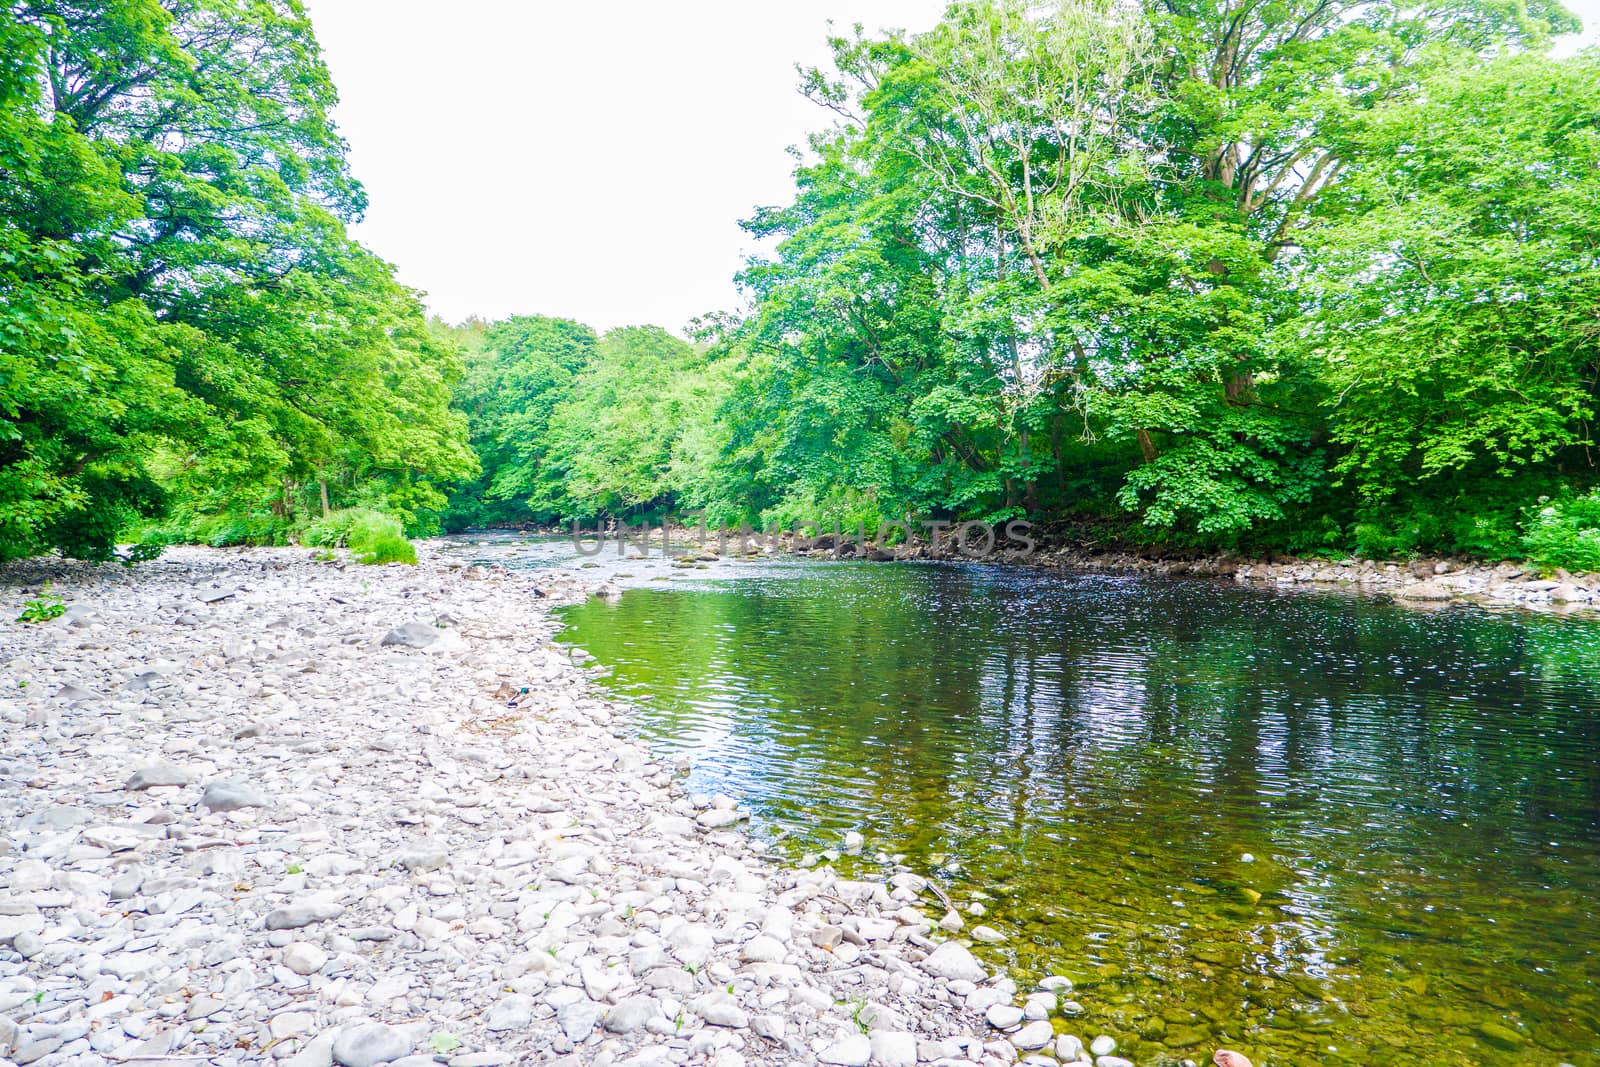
column 1318, row 828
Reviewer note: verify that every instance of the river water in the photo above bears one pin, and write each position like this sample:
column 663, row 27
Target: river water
column 1320, row 829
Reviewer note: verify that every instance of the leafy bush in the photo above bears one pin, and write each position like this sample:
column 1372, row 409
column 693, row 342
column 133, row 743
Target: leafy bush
column 331, row 531
column 851, row 510
column 373, row 536
column 1565, row 533
column 1479, row 520
column 379, row 538
column 240, row 526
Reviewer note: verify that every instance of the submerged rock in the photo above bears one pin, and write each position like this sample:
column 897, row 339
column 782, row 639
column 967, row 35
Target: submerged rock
column 953, row 961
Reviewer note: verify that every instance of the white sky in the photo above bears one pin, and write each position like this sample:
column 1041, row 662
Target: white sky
column 581, row 159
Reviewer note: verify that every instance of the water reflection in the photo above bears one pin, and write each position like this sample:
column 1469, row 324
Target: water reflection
column 1321, row 828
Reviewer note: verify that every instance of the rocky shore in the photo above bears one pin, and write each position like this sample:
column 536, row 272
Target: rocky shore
column 1420, row 582
column 1417, row 583
column 255, row 807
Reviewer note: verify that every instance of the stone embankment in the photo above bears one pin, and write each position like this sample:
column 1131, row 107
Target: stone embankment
column 257, row 808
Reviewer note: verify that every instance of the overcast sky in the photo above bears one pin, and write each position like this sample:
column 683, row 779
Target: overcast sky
column 577, row 159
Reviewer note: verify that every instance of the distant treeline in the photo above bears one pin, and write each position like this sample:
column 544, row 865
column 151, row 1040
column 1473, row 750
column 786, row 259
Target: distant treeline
column 1309, row 276
column 1316, row 276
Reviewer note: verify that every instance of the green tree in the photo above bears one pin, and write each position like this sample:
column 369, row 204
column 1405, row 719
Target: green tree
column 177, row 293
column 1456, row 281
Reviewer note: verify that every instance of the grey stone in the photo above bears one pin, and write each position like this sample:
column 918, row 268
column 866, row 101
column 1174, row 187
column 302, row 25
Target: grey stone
column 514, row 1012
column 893, row 1048
column 56, row 817
column 366, row 1044
column 304, row 958
column 31, row 1048
column 578, row 1019
column 630, row 1013
column 411, row 635
column 225, row 794
column 158, row 774
column 852, row 1051
column 123, row 837
column 1103, row 1045
column 953, row 961
column 77, row 615
column 720, row 1009
column 294, row 916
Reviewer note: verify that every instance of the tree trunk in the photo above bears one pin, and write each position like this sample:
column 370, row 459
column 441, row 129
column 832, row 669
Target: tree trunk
column 1240, row 387
column 322, row 484
column 1147, row 447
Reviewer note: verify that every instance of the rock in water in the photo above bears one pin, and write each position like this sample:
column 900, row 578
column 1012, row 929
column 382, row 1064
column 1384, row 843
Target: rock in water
column 1229, row 1058
column 1423, row 591
column 411, row 635
column 227, row 795
column 1034, row 1036
column 367, row 1044
column 1003, row 1016
column 954, row 962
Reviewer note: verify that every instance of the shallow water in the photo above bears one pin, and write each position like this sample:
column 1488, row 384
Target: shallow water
column 1315, row 828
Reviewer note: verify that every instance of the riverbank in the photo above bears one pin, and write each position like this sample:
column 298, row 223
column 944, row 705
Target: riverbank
column 257, row 806
column 1422, row 582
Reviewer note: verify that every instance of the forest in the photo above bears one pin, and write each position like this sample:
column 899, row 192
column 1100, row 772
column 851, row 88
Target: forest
column 1304, row 276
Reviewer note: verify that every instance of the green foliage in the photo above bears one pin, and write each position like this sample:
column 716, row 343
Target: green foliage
column 1315, row 274
column 372, row 536
column 378, row 538
column 43, row 608
column 1454, row 279
column 185, row 325
column 1565, row 534
column 231, row 524
column 571, row 426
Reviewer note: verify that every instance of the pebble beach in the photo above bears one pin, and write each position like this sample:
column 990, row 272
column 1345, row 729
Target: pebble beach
column 259, row 806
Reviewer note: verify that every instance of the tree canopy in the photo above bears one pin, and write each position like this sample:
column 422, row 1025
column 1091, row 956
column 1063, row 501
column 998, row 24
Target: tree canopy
column 183, row 319
column 1306, row 275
